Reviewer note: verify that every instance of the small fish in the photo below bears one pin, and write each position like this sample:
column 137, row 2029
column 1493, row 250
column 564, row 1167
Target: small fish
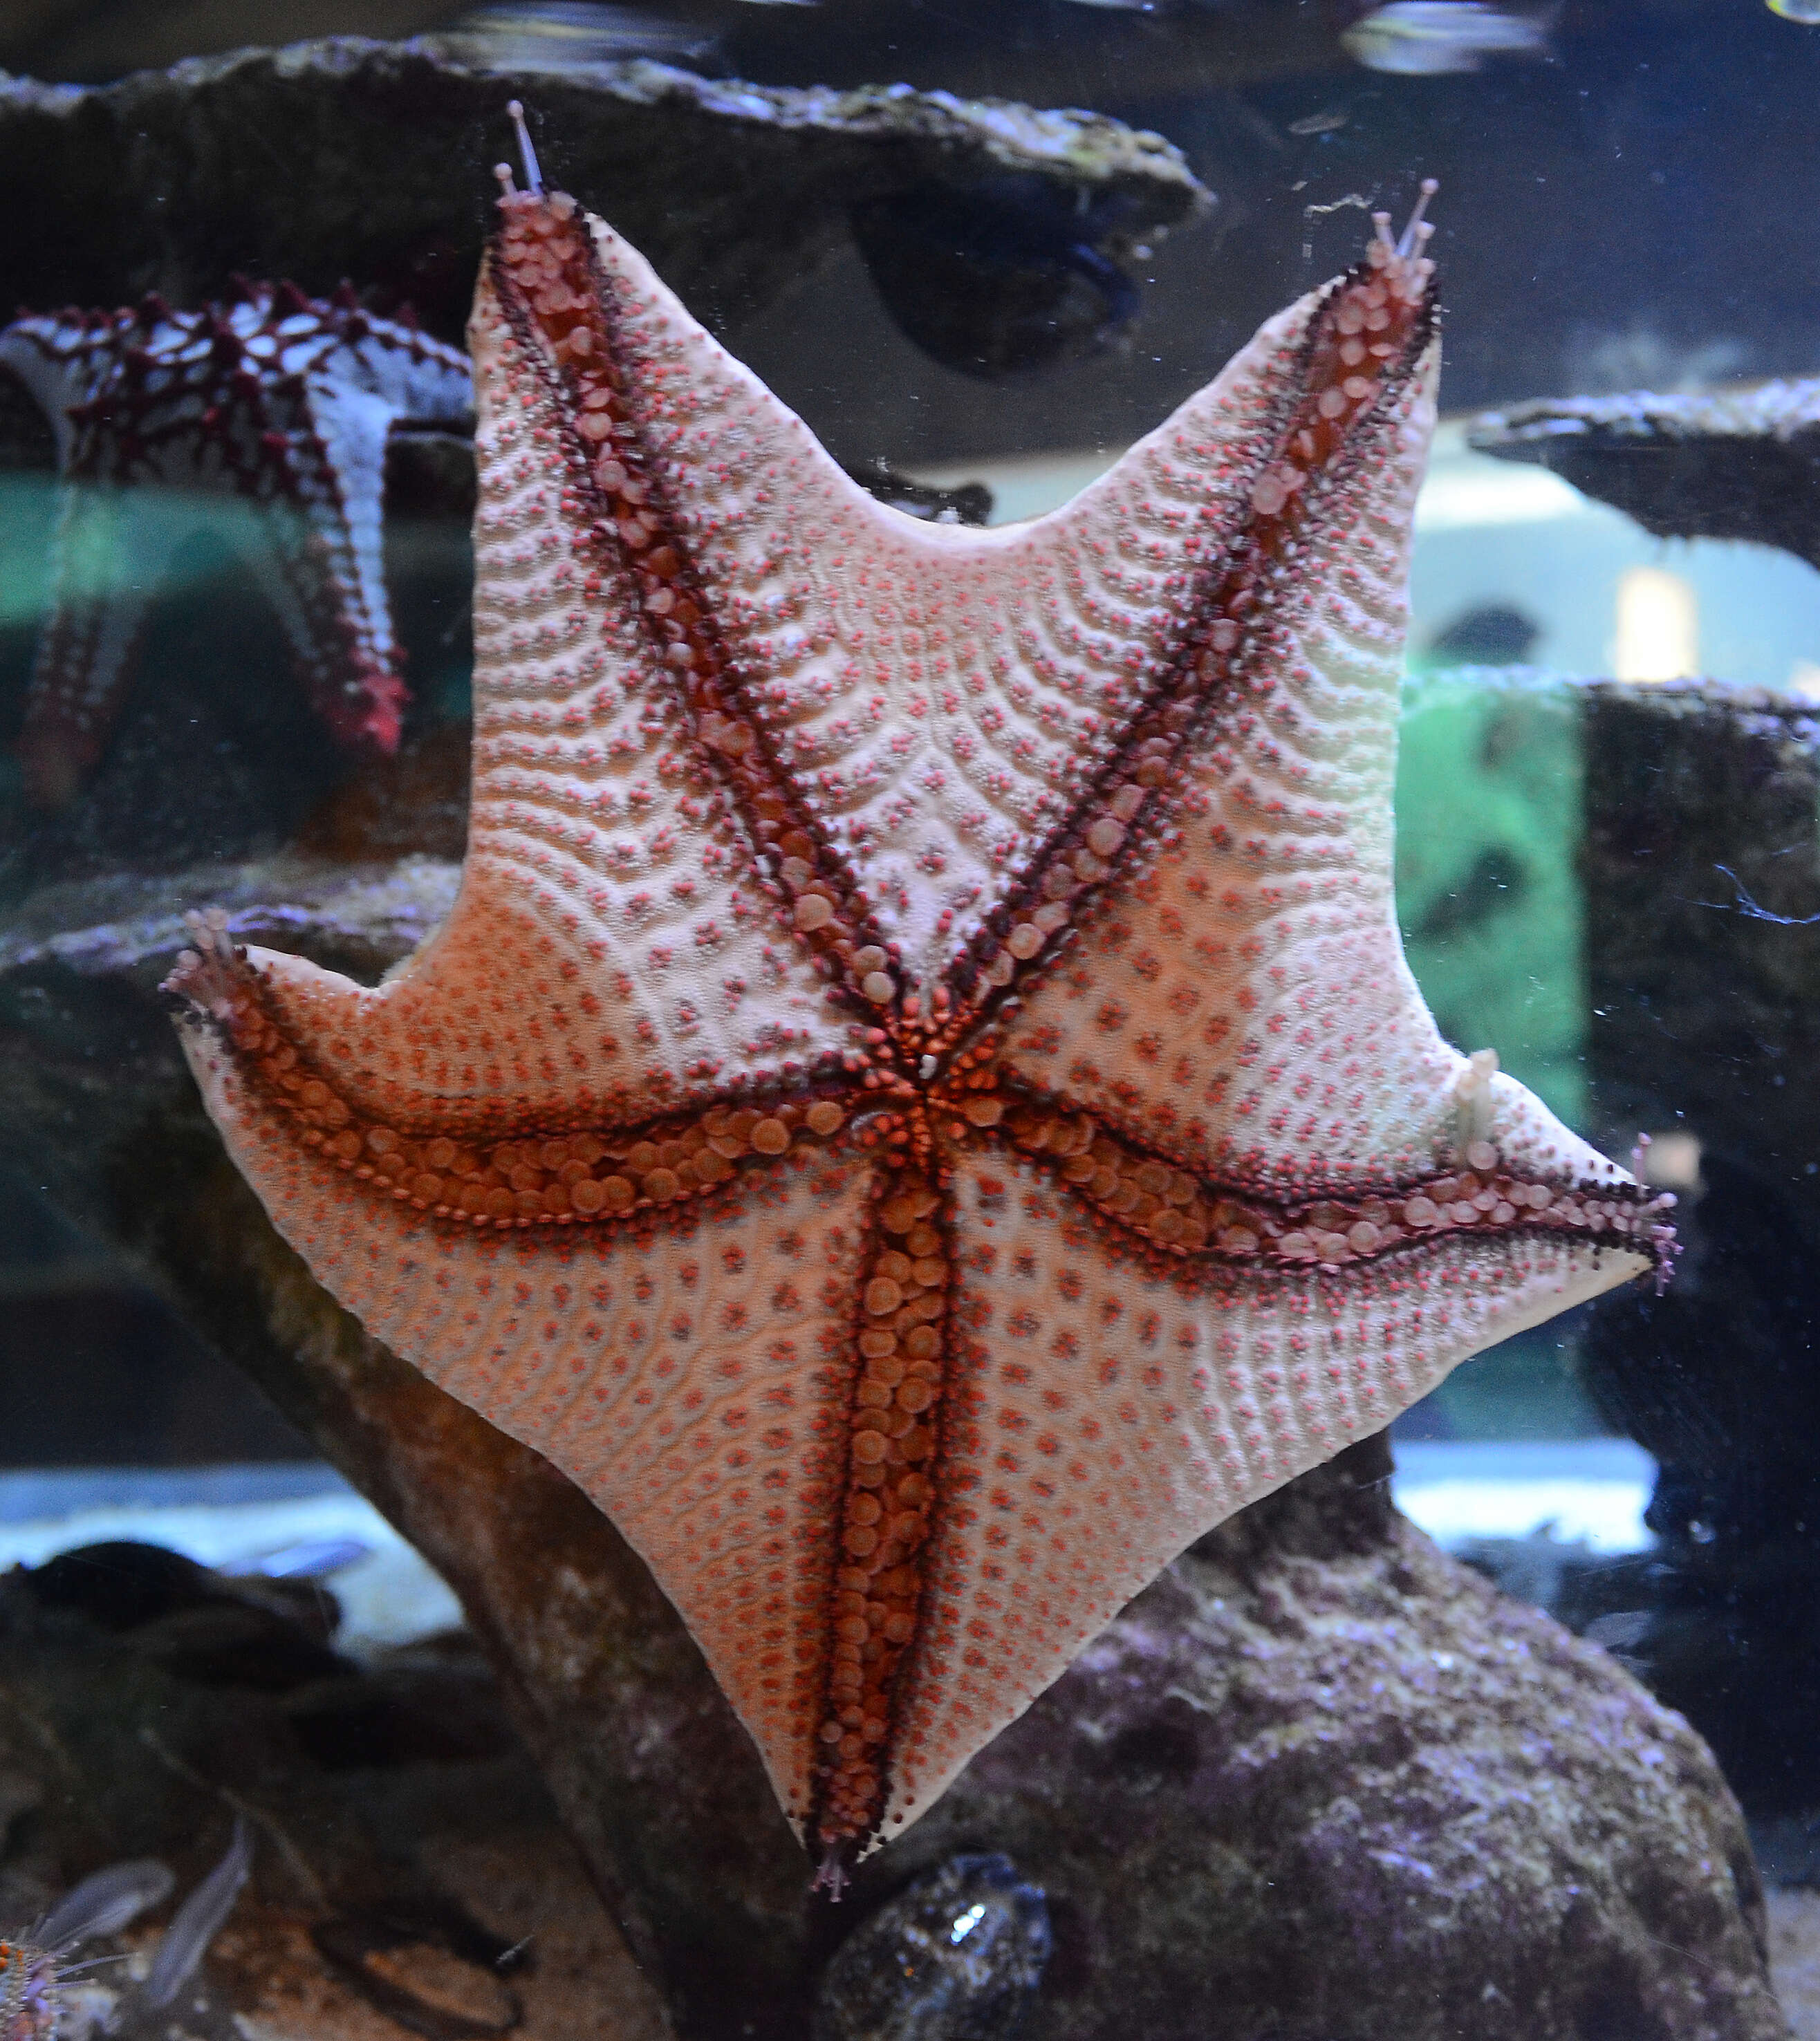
column 1806, row 12
column 194, row 1924
column 1619, row 1632
column 568, row 35
column 1427, row 38
column 30, row 1968
column 1328, row 123
column 311, row 1559
column 105, row 1902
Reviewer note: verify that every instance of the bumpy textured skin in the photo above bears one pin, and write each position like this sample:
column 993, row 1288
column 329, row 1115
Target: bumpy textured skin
column 1157, row 1181
column 279, row 401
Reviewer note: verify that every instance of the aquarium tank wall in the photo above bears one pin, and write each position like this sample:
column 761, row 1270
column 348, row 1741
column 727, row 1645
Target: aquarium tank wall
column 908, row 961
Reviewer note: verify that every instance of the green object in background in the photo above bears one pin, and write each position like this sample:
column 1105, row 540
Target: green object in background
column 1488, row 800
column 1488, row 809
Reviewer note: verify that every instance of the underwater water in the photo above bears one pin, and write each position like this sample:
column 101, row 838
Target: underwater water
column 451, row 1571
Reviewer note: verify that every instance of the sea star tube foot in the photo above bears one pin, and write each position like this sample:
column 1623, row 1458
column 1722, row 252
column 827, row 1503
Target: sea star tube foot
column 919, row 1108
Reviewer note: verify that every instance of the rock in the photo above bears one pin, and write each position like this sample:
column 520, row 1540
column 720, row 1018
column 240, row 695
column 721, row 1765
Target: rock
column 445, row 1993
column 172, row 180
column 403, row 1876
column 91, row 1050
column 1701, row 878
column 998, row 276
column 1318, row 1781
column 1743, row 464
column 955, row 1957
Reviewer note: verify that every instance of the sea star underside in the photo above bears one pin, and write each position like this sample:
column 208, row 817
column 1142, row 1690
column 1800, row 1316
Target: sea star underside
column 919, row 1108
column 279, row 401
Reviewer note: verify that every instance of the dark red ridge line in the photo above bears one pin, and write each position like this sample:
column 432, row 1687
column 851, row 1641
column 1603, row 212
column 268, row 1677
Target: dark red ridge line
column 839, row 1839
column 1016, row 1090
column 1179, row 703
column 853, row 910
column 830, row 1870
column 831, row 1867
column 657, row 1130
column 682, row 1207
column 1170, row 1260
column 523, row 1124
column 1193, row 1274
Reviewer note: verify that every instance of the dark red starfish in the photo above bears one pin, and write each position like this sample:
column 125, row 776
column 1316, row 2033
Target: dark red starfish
column 277, row 403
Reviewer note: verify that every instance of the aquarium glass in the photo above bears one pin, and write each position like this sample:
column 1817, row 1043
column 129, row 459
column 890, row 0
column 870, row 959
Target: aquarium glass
column 330, row 1704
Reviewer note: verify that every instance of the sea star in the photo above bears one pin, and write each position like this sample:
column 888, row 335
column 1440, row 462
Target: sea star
column 919, row 1108
column 281, row 401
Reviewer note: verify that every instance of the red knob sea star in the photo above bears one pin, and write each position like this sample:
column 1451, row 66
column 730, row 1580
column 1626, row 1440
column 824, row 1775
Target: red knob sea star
column 919, row 1108
column 279, row 401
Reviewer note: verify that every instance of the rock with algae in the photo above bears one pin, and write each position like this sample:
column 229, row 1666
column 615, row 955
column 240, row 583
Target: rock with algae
column 171, row 179
column 956, row 1957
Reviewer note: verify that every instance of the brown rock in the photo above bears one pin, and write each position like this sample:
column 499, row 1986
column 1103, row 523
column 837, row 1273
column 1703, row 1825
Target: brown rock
column 408, row 1865
column 1320, row 1781
column 1702, row 881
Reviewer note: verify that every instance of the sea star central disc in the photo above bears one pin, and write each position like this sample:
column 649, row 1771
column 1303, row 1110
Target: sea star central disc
column 919, row 1108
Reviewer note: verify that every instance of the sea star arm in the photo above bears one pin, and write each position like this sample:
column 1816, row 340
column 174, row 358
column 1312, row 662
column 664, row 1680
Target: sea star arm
column 613, row 948
column 1207, row 956
column 357, row 379
column 273, row 410
column 1232, row 989
column 100, row 590
column 322, row 562
column 688, row 1362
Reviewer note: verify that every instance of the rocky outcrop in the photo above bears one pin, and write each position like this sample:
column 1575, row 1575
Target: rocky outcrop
column 1723, row 464
column 351, row 158
column 1318, row 1781
column 1702, row 877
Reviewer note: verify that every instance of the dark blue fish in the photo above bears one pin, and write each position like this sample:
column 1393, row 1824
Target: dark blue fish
column 1001, row 275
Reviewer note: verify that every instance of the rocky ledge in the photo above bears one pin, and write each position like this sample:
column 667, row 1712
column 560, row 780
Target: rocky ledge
column 352, row 157
column 1723, row 464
